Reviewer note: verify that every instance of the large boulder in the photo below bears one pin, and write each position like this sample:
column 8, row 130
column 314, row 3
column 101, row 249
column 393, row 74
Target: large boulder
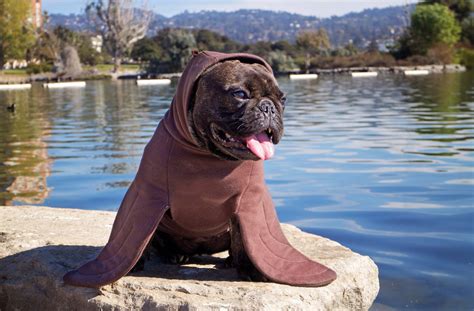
column 39, row 244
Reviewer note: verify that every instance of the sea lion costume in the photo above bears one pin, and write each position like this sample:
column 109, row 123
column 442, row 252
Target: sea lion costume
column 189, row 192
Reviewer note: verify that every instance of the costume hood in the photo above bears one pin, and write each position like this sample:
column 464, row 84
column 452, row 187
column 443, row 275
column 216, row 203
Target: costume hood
column 184, row 190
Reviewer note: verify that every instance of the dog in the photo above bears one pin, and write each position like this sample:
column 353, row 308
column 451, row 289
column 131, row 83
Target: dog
column 237, row 115
column 200, row 187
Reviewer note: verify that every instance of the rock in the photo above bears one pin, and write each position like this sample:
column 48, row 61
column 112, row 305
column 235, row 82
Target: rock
column 39, row 244
column 71, row 64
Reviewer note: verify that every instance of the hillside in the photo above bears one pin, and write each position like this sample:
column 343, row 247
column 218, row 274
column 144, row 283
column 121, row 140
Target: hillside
column 248, row 26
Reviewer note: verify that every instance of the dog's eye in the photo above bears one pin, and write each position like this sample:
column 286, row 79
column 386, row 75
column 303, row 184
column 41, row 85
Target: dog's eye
column 240, row 94
column 283, row 100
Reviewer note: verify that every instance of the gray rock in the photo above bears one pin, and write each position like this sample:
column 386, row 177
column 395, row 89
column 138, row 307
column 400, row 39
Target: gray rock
column 71, row 64
column 39, row 244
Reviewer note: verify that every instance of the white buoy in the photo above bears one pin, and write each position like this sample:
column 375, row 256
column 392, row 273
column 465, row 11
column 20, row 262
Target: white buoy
column 55, row 85
column 364, row 74
column 416, row 72
column 153, row 81
column 6, row 87
column 303, row 76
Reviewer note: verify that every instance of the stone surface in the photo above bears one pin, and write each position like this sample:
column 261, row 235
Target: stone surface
column 39, row 244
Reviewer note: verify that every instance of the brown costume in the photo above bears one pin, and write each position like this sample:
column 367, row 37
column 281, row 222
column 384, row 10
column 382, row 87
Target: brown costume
column 201, row 192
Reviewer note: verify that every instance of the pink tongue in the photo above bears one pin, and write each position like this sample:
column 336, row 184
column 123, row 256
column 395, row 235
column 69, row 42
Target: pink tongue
column 261, row 145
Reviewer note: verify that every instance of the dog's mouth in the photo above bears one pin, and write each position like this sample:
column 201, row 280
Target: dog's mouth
column 260, row 144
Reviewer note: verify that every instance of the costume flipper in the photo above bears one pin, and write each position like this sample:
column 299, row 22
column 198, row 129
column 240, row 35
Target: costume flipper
column 136, row 221
column 272, row 254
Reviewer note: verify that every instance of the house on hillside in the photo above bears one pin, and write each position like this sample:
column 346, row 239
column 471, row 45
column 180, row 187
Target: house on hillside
column 36, row 14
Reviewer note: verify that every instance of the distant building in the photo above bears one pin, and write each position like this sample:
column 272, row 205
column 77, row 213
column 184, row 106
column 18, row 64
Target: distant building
column 97, row 43
column 36, row 14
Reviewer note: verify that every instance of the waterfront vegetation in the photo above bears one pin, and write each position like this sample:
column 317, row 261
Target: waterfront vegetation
column 440, row 32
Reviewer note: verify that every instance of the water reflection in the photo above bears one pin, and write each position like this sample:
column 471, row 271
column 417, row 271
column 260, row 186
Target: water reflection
column 24, row 161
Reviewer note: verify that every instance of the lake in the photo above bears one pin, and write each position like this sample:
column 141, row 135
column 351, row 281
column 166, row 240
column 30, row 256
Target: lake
column 382, row 165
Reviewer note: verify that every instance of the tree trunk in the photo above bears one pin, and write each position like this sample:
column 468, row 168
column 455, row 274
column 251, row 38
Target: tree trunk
column 307, row 62
column 117, row 62
column 2, row 58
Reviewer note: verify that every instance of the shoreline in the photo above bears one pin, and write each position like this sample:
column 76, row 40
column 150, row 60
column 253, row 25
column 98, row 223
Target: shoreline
column 134, row 75
column 450, row 68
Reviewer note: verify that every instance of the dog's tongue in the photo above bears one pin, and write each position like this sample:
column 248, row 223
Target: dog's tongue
column 260, row 145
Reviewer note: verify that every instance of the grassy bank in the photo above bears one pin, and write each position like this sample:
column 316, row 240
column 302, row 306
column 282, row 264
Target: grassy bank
column 16, row 72
column 107, row 68
column 98, row 72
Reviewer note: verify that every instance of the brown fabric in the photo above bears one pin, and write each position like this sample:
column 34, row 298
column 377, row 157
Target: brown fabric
column 201, row 192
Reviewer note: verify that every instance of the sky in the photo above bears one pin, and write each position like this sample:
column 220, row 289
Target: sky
column 319, row 8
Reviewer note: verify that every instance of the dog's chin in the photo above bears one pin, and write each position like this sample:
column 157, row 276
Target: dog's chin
column 255, row 146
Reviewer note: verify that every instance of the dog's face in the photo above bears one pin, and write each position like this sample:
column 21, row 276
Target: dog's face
column 237, row 111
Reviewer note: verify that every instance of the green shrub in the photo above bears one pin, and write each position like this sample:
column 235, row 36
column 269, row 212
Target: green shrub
column 369, row 59
column 38, row 68
column 466, row 58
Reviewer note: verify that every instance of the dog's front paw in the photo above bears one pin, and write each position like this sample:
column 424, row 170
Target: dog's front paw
column 174, row 259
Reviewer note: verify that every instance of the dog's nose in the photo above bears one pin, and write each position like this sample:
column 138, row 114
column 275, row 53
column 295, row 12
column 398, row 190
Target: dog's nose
column 267, row 107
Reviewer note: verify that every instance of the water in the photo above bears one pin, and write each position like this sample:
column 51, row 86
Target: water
column 383, row 165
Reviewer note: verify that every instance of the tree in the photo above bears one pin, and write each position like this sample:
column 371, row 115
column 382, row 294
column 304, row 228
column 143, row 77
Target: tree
column 281, row 62
column 177, row 46
column 462, row 8
column 146, row 50
column 284, row 46
column 16, row 33
column 46, row 49
column 80, row 41
column 209, row 40
column 313, row 42
column 260, row 48
column 121, row 25
column 348, row 50
column 468, row 30
column 432, row 25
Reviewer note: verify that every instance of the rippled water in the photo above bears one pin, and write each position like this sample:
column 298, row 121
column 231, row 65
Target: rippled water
column 383, row 165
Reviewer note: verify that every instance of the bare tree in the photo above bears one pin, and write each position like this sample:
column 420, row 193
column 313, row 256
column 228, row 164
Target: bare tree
column 121, row 23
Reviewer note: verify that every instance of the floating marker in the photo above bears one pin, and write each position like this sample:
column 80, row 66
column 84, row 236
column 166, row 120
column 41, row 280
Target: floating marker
column 303, row 76
column 6, row 87
column 364, row 74
column 55, row 85
column 153, row 81
column 416, row 72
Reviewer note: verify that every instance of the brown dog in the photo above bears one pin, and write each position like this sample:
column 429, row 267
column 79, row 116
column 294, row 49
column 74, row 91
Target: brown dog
column 200, row 186
column 236, row 115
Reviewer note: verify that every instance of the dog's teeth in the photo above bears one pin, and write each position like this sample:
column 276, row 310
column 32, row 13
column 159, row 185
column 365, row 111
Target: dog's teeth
column 270, row 131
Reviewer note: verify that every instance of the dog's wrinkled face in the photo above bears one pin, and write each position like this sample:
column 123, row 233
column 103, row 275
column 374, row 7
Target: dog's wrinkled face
column 237, row 111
